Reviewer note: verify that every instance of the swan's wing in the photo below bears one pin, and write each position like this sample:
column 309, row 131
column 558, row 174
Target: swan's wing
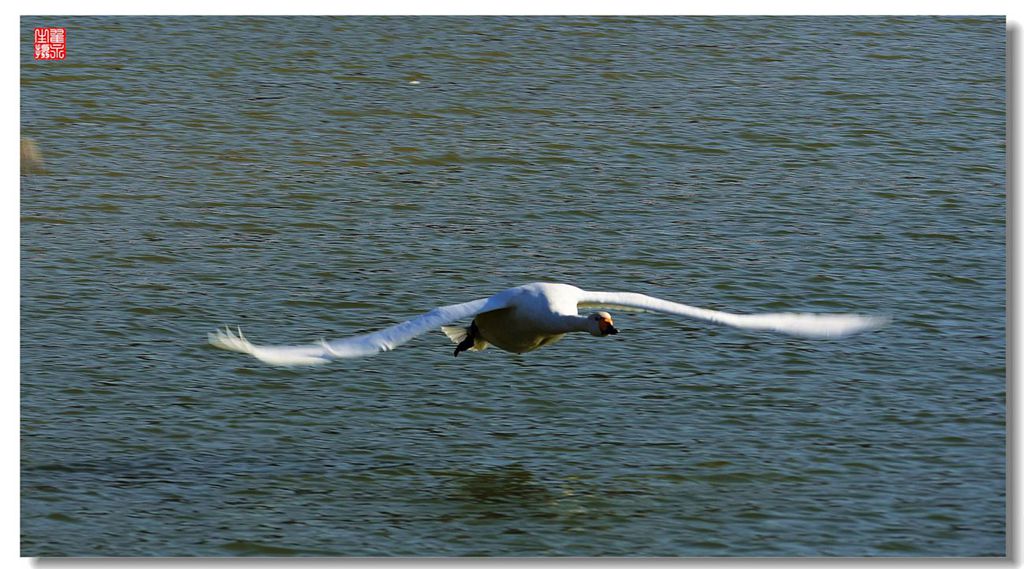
column 356, row 346
column 797, row 324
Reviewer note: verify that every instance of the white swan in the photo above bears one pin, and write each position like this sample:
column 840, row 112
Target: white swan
column 527, row 317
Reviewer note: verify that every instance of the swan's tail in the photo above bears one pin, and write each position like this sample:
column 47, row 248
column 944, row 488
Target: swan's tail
column 455, row 333
column 458, row 335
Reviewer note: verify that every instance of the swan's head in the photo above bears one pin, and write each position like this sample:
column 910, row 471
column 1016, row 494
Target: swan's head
column 600, row 324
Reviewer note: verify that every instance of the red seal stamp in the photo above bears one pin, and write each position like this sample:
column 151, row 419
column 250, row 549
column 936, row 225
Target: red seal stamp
column 51, row 43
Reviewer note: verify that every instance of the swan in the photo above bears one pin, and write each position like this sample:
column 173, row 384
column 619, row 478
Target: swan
column 528, row 317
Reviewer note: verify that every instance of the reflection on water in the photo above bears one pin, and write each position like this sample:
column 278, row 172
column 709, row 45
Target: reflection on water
column 510, row 485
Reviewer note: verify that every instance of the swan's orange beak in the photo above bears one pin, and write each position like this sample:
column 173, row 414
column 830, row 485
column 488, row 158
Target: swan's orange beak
column 606, row 327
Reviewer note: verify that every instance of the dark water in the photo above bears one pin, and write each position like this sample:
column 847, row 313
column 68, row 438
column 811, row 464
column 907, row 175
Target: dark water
column 285, row 174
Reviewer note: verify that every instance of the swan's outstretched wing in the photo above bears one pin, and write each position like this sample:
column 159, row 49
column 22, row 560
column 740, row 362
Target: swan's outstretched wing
column 356, row 346
column 797, row 324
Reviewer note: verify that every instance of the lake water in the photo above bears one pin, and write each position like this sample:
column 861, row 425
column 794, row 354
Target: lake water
column 308, row 177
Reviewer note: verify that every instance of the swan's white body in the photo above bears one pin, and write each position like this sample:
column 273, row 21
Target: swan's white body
column 524, row 318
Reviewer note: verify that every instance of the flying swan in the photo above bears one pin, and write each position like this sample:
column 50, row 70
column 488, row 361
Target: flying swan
column 527, row 317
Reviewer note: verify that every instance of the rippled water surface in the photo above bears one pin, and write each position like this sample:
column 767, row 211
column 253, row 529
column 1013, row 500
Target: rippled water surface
column 308, row 177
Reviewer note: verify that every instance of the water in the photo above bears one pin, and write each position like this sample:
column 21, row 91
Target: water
column 285, row 174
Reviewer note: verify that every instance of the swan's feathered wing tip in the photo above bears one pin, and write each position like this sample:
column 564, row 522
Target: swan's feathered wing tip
column 825, row 326
column 872, row 322
column 227, row 339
